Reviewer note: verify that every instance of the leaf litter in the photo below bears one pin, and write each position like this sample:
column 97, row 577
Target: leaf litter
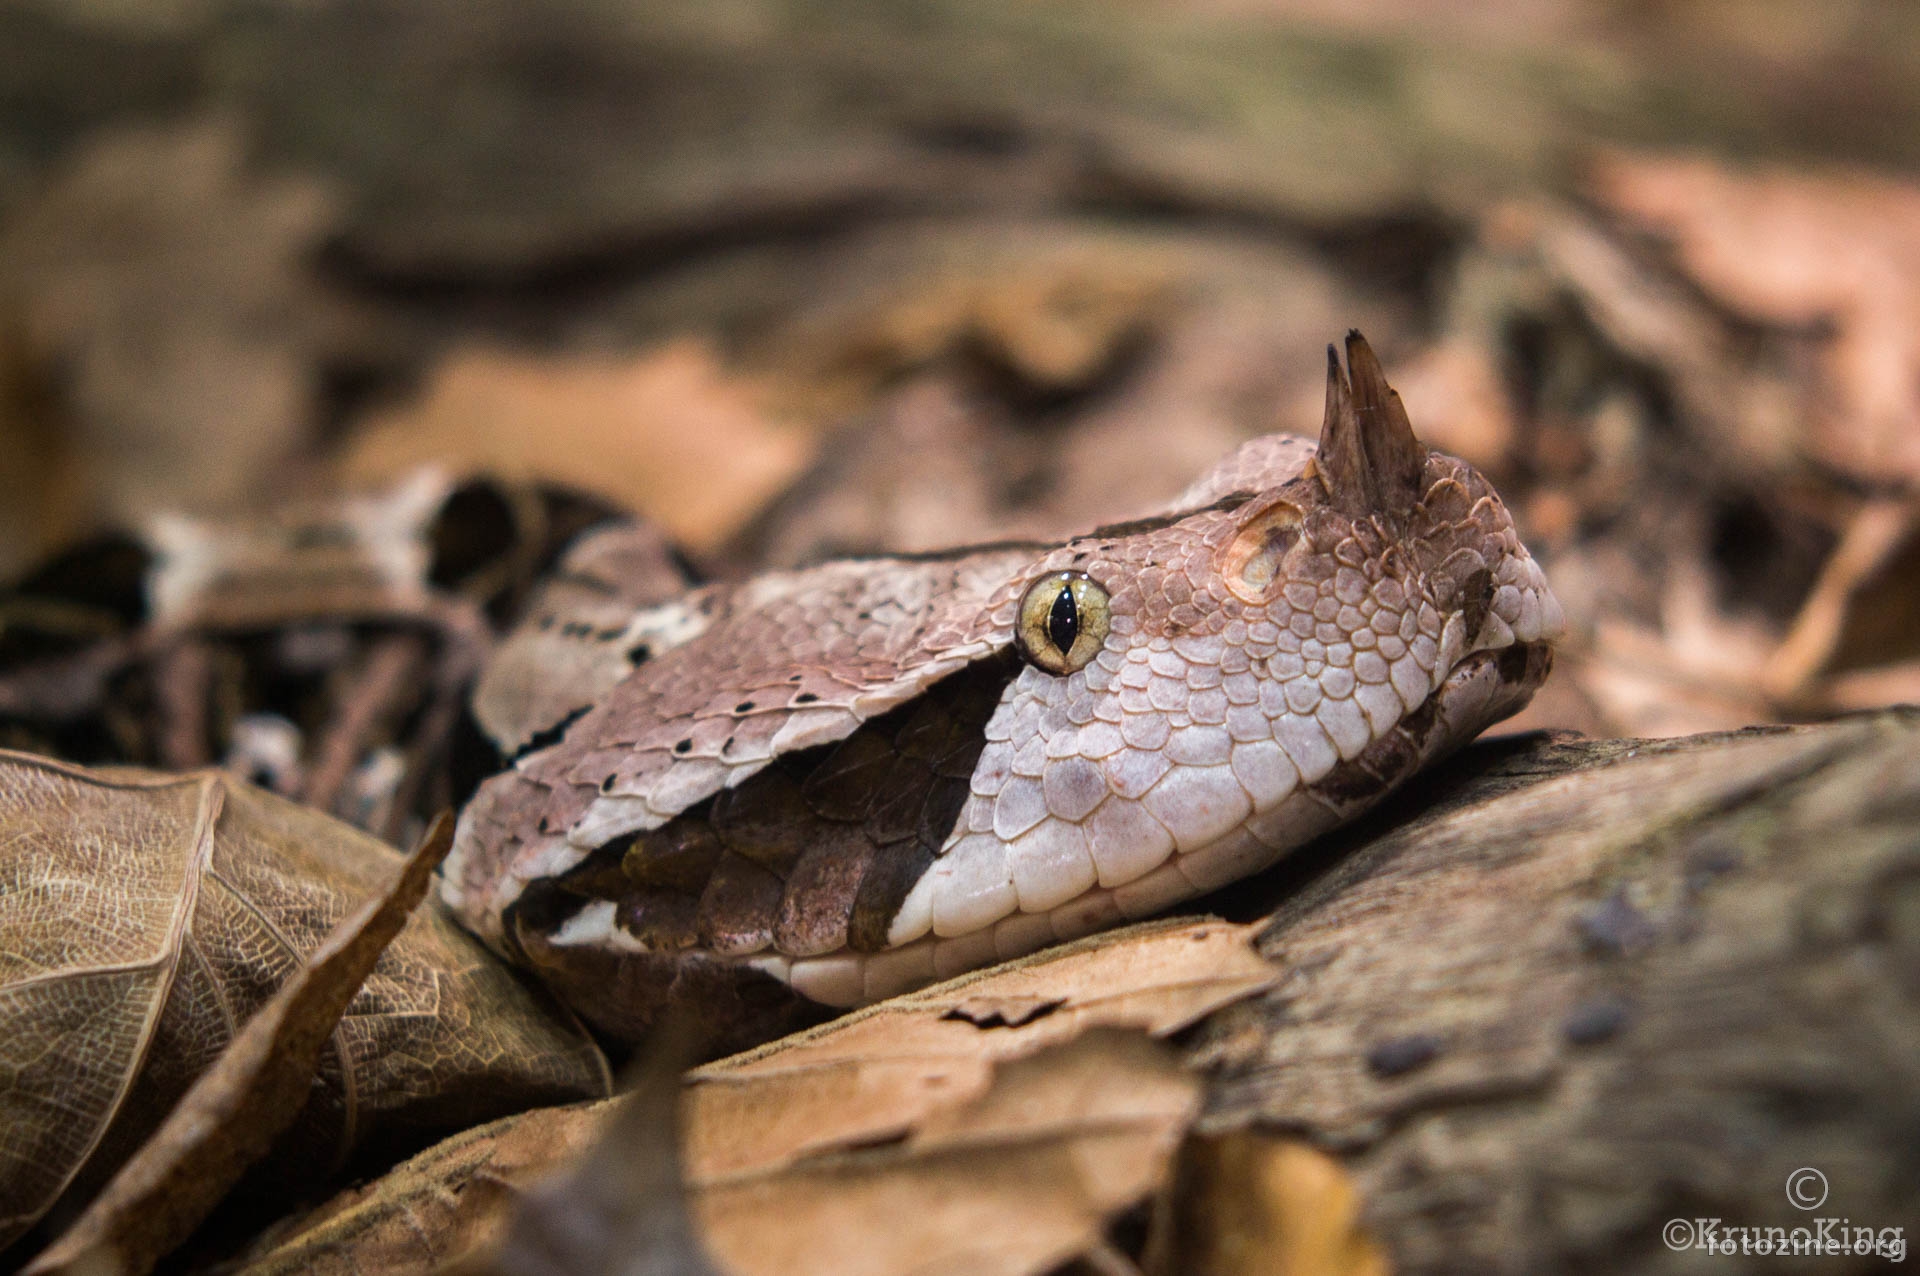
column 144, row 919
column 254, row 1090
column 1003, row 1148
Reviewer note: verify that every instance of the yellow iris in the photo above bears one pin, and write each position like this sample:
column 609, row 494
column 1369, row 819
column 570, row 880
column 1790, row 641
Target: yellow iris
column 1063, row 621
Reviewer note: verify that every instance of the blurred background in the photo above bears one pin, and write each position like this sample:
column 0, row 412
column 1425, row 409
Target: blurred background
column 800, row 277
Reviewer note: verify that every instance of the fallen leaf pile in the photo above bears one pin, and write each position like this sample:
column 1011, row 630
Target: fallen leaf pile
column 794, row 279
column 1000, row 1122
column 165, row 283
column 670, row 435
column 1699, row 392
column 236, row 1108
column 323, row 648
column 145, row 919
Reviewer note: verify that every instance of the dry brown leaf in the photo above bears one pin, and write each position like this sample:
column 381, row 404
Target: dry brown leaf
column 1866, row 585
column 672, row 433
column 1797, row 250
column 879, row 1072
column 881, row 1099
column 1249, row 1204
column 160, row 292
column 236, row 1108
column 619, row 1208
column 451, row 1200
column 1018, row 1180
column 1053, row 316
column 144, row 918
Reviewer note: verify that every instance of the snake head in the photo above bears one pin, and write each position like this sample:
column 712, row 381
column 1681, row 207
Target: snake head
column 1377, row 521
column 832, row 784
column 1311, row 627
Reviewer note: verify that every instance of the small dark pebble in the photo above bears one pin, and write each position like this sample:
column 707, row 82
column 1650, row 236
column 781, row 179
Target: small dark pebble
column 1402, row 1055
column 1594, row 1021
column 1615, row 927
column 1709, row 860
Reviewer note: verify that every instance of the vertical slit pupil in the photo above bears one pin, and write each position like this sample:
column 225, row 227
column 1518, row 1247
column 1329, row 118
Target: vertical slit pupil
column 1063, row 622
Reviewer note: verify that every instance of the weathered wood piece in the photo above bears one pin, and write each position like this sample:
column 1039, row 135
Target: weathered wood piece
column 1599, row 986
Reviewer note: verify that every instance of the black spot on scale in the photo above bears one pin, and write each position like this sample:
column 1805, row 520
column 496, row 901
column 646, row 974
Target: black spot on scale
column 683, row 746
column 805, row 697
column 639, row 654
column 745, row 706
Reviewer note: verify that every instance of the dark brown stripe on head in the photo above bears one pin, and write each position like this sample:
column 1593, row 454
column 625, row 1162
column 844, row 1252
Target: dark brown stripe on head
column 738, row 906
column 888, row 880
column 818, row 905
column 766, row 819
column 817, row 850
column 1526, row 664
column 679, row 857
column 1160, row 522
column 665, row 921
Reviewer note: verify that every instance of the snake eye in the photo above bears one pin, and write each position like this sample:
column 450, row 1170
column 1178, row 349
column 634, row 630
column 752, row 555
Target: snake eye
column 1063, row 622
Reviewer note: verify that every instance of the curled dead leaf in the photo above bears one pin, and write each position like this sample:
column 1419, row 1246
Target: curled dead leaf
column 877, row 1073
column 145, row 918
column 1020, row 1179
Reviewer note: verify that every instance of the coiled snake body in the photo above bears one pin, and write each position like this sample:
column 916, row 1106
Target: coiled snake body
column 838, row 783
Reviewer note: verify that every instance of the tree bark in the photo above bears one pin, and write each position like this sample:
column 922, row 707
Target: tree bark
column 1599, row 986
